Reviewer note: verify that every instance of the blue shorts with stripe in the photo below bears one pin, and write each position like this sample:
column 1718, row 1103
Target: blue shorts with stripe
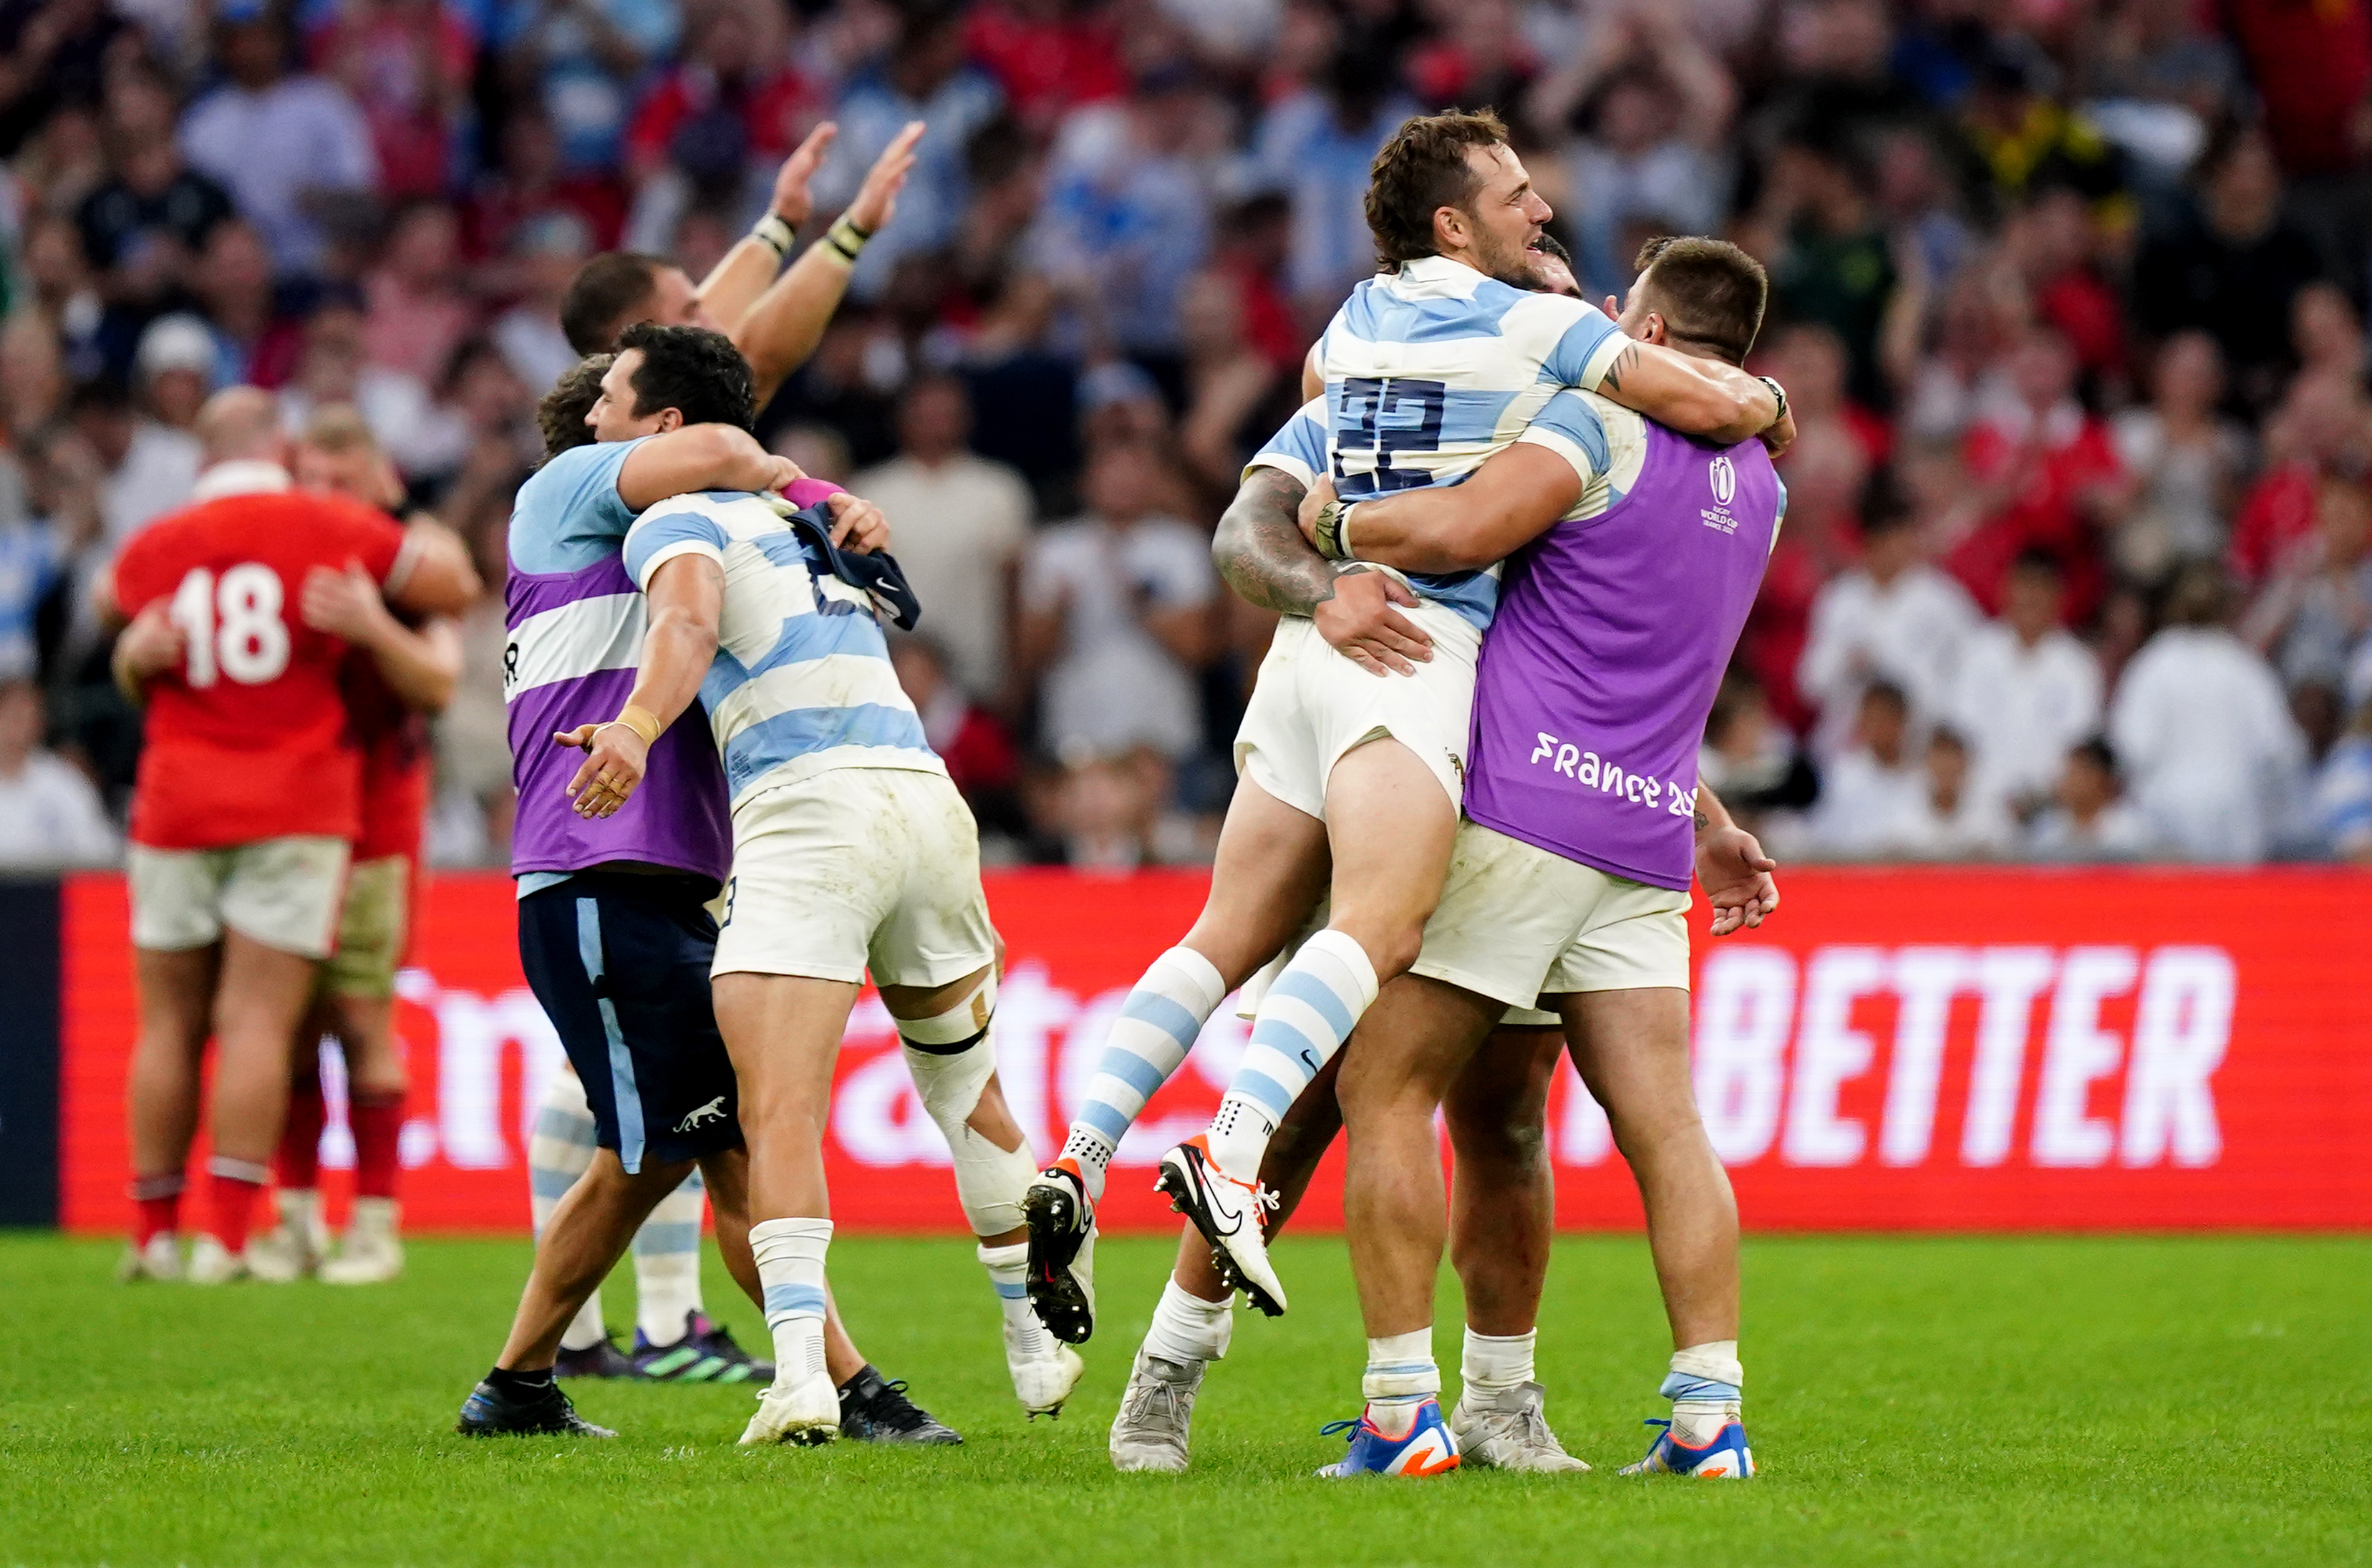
column 620, row 964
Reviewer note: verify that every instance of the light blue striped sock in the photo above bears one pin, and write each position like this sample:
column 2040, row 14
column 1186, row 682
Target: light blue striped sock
column 1148, row 1042
column 790, row 1256
column 1302, row 1022
column 666, row 1264
column 1008, row 1271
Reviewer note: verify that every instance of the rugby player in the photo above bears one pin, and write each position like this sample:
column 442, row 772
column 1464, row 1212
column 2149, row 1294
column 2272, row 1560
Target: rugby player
column 1569, row 885
column 247, row 803
column 396, row 679
column 1429, row 368
column 852, row 853
column 777, row 322
column 615, row 933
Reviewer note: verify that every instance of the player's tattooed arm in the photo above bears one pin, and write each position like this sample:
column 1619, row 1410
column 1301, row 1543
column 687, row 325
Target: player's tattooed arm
column 1260, row 551
column 1695, row 395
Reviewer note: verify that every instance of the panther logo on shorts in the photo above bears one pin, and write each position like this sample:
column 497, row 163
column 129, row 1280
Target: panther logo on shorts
column 713, row 1111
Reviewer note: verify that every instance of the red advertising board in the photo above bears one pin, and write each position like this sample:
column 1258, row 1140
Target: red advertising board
column 1926, row 1050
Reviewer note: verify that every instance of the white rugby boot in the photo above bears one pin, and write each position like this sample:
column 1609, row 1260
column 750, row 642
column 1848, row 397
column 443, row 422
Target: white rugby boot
column 1510, row 1432
column 806, row 1412
column 160, row 1260
column 1232, row 1214
column 211, row 1263
column 1044, row 1371
column 372, row 1253
column 1155, row 1411
column 1062, row 1276
column 293, row 1247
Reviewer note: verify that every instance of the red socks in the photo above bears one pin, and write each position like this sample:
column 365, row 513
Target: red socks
column 232, row 1188
column 377, row 1121
column 298, row 1164
column 158, row 1201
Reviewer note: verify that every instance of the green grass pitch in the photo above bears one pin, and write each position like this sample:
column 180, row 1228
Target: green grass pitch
column 2192, row 1401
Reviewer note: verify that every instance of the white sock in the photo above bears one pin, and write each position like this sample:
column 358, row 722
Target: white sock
column 1008, row 1271
column 790, row 1256
column 1496, row 1364
column 1187, row 1328
column 1705, row 1386
column 1400, row 1377
column 1302, row 1022
column 1148, row 1042
column 558, row 1151
column 666, row 1264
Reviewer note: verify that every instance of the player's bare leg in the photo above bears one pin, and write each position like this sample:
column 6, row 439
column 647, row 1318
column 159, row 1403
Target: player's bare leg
column 1632, row 1050
column 1389, row 830
column 1412, row 1046
column 261, row 997
column 175, row 1015
column 1502, row 1214
column 1268, row 875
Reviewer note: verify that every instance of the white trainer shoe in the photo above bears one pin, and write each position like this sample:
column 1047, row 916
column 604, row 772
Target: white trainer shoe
column 1044, row 1370
column 1508, row 1431
column 211, row 1263
column 1155, row 1410
column 293, row 1247
column 1232, row 1216
column 372, row 1253
column 160, row 1260
column 806, row 1412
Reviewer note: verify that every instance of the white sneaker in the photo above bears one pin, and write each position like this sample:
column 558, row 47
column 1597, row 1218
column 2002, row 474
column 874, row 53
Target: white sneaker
column 1232, row 1216
column 1510, row 1432
column 293, row 1247
column 160, row 1260
column 806, row 1412
column 371, row 1253
column 1150, row 1431
column 1044, row 1370
column 211, row 1263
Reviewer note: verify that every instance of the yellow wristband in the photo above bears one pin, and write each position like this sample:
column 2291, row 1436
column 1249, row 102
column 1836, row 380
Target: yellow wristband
column 846, row 238
column 641, row 721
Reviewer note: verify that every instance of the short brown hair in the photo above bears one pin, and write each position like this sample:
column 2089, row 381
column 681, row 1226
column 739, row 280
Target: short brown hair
column 608, row 294
column 337, row 428
column 1708, row 291
column 1422, row 169
column 561, row 415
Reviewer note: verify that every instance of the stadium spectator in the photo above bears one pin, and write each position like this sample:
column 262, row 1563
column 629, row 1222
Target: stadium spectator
column 1826, row 474
column 2187, row 460
column 2322, row 426
column 418, row 311
column 1751, row 761
column 2318, row 608
column 50, row 815
column 2089, row 818
column 1873, row 791
column 1895, row 618
column 33, row 546
column 406, row 65
column 149, row 468
column 1116, row 611
column 960, row 523
column 174, row 367
column 1049, row 56
column 283, row 145
column 2201, row 725
column 1951, row 820
column 1314, row 145
column 2342, row 793
column 1829, row 258
column 979, row 752
column 143, row 228
column 2026, row 690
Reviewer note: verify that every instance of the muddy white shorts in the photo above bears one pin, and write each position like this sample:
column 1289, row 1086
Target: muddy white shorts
column 286, row 893
column 856, row 869
column 1312, row 704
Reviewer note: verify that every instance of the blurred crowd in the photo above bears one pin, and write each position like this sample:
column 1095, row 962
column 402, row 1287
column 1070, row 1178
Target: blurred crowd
column 2068, row 296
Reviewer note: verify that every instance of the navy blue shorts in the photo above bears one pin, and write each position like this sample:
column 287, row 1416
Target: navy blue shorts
column 620, row 964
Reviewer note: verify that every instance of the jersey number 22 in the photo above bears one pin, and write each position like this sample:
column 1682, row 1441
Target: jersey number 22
column 232, row 626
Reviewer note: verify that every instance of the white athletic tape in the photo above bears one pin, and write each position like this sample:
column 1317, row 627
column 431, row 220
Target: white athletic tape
column 960, row 1023
column 990, row 1182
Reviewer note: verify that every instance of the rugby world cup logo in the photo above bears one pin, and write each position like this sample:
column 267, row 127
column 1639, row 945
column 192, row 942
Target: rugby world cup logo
column 1725, row 480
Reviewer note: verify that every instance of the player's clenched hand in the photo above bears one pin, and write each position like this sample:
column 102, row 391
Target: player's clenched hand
column 343, row 603
column 1314, row 501
column 1735, row 876
column 1780, row 434
column 1360, row 622
column 615, row 760
column 150, row 646
column 781, row 473
column 857, row 523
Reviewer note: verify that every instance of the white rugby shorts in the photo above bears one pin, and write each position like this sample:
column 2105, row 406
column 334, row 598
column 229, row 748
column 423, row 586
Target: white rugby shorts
column 285, row 893
column 1312, row 704
column 854, row 869
column 1518, row 923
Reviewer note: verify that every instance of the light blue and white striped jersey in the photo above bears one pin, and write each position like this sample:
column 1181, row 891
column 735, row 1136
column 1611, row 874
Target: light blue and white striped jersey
column 802, row 682
column 1430, row 371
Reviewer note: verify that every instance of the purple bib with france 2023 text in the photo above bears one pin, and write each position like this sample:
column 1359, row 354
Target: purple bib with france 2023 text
column 1600, row 668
